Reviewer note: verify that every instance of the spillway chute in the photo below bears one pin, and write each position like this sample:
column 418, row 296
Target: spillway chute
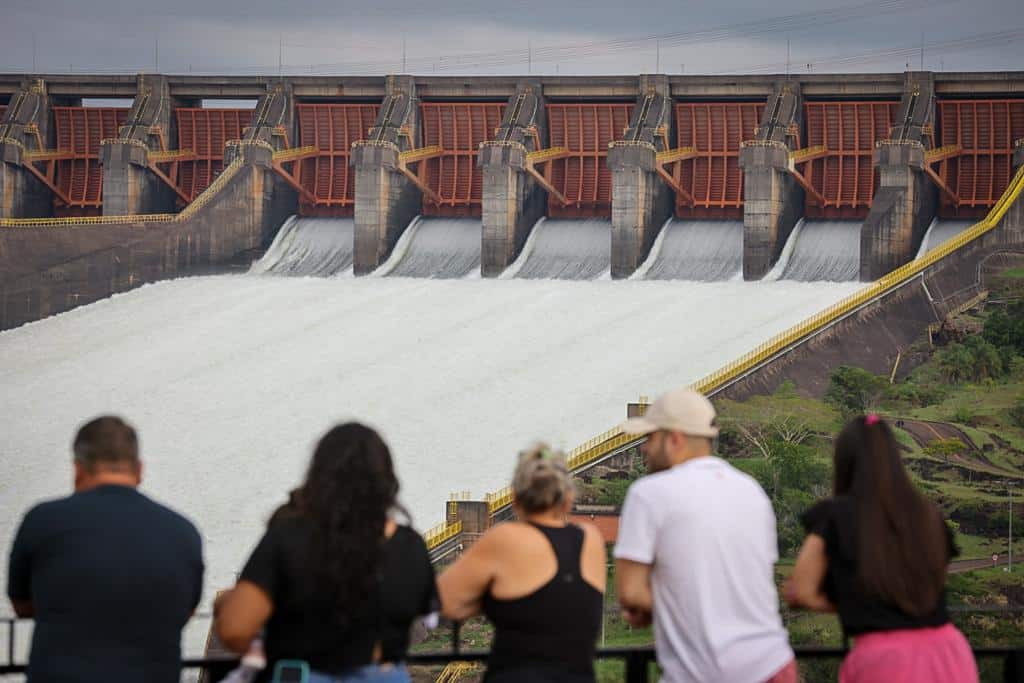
column 315, row 247
column 561, row 249
column 824, row 250
column 438, row 248
column 696, row 250
column 940, row 231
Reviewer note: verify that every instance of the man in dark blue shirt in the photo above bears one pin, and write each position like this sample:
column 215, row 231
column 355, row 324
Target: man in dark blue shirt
column 110, row 576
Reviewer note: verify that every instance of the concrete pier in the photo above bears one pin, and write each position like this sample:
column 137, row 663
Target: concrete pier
column 25, row 127
column 386, row 201
column 512, row 200
column 129, row 185
column 905, row 203
column 641, row 201
column 773, row 200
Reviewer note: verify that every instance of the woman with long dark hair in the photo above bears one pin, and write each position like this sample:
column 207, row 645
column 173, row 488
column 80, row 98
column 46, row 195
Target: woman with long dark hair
column 877, row 553
column 335, row 581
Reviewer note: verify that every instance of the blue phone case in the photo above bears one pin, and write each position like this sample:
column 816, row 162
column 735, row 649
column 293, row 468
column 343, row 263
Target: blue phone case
column 286, row 669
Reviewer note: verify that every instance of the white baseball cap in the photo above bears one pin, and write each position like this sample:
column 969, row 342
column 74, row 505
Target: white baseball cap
column 680, row 410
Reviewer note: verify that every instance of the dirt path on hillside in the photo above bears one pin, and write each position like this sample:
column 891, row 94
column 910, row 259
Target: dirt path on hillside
column 923, row 432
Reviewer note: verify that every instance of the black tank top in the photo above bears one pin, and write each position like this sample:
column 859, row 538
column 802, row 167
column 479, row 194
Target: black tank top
column 553, row 630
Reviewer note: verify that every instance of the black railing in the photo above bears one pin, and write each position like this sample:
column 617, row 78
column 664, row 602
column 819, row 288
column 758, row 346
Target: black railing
column 636, row 661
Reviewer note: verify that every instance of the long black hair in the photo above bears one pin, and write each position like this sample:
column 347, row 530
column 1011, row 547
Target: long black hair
column 349, row 490
column 902, row 552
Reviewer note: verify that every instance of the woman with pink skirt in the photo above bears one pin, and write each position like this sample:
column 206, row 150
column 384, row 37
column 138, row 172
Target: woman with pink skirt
column 877, row 553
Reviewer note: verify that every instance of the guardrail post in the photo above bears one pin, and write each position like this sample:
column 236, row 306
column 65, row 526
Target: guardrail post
column 636, row 667
column 456, row 636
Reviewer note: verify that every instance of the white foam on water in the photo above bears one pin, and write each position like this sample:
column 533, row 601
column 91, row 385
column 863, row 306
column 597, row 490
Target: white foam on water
column 231, row 379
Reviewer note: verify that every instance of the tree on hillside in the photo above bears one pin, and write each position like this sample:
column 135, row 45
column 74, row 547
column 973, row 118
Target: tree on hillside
column 853, row 391
column 1006, row 328
column 943, row 448
column 956, row 362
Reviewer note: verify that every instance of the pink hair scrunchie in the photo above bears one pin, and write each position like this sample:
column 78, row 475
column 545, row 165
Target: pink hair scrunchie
column 871, row 419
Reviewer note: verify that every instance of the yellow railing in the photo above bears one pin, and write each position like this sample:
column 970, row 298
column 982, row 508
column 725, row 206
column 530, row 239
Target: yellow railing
column 614, row 439
column 207, row 195
column 800, row 155
column 498, row 499
column 198, row 203
column 419, row 154
column 541, row 155
column 941, row 153
column 171, row 155
column 678, row 154
column 47, row 154
column 454, row 671
column 851, row 303
column 439, row 534
column 295, row 153
column 85, row 220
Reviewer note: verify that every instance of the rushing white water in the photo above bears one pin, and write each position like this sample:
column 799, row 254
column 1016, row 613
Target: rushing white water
column 309, row 246
column 824, row 251
column 939, row 231
column 441, row 248
column 231, row 379
column 703, row 251
column 785, row 255
column 566, row 250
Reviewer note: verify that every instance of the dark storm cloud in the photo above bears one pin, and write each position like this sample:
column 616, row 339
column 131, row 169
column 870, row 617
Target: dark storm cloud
column 570, row 36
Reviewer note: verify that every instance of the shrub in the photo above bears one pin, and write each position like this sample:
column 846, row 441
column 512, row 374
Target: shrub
column 854, row 390
column 1016, row 413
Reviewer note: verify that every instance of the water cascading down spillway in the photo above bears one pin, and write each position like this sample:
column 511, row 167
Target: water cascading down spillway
column 696, row 250
column 440, row 248
column 319, row 247
column 565, row 249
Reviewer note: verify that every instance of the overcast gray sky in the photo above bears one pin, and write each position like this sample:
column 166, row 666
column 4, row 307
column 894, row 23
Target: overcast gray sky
column 508, row 37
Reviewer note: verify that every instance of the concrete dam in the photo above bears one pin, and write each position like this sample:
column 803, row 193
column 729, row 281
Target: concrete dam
column 707, row 178
column 468, row 263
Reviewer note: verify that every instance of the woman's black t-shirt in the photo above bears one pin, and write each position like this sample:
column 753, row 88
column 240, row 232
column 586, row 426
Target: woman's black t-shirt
column 304, row 623
column 835, row 520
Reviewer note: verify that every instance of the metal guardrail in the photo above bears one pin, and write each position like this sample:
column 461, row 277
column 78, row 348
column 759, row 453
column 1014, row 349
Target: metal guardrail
column 171, row 155
column 636, row 661
column 198, row 203
column 296, row 153
column 807, row 153
column 439, row 534
column 539, row 156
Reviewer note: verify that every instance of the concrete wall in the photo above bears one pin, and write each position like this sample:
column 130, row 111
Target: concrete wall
column 129, row 186
column 512, row 201
column 21, row 193
column 902, row 209
column 48, row 270
column 641, row 200
column 906, row 200
column 386, row 201
column 773, row 202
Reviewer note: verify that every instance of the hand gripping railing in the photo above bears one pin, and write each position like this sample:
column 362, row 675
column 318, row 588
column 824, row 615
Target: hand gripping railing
column 615, row 439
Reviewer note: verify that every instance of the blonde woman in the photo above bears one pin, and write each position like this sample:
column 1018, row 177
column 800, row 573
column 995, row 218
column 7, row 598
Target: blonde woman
column 540, row 580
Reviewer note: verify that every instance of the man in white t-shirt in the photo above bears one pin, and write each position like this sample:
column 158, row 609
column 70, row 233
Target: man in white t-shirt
column 697, row 550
